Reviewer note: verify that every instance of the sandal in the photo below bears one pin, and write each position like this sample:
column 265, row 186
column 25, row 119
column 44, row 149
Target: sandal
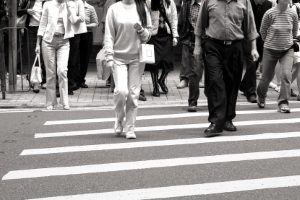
column 284, row 108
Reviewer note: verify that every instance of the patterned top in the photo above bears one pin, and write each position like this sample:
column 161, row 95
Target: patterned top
column 193, row 15
column 90, row 15
column 279, row 28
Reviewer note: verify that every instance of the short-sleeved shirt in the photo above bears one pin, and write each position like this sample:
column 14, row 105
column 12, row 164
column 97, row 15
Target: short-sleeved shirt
column 90, row 15
column 226, row 20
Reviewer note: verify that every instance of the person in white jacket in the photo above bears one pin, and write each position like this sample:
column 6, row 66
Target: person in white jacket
column 122, row 41
column 55, row 29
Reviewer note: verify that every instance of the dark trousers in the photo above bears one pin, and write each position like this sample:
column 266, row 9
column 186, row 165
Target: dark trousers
column 223, row 71
column 86, row 44
column 73, row 63
column 32, row 36
column 194, row 73
column 248, row 84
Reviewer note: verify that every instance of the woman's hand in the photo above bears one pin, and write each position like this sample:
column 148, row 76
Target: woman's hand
column 38, row 48
column 110, row 63
column 30, row 12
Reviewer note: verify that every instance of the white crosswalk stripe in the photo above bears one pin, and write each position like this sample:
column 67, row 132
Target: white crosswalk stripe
column 188, row 190
column 164, row 127
column 168, row 116
column 118, row 146
column 151, row 124
column 124, row 166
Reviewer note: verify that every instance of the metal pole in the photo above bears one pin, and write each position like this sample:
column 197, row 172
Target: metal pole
column 12, row 16
column 2, row 66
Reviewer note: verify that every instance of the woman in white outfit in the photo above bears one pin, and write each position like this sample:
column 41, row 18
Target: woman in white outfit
column 55, row 30
column 121, row 42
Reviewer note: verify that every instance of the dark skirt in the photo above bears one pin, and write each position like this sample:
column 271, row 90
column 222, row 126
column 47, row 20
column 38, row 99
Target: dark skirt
column 163, row 48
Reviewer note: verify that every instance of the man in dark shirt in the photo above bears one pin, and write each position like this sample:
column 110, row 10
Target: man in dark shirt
column 248, row 84
column 194, row 67
column 222, row 25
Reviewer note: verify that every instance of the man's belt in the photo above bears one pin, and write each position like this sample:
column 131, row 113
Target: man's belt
column 224, row 42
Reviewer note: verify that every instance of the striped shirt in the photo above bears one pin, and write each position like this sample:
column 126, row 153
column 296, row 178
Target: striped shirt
column 279, row 28
column 90, row 15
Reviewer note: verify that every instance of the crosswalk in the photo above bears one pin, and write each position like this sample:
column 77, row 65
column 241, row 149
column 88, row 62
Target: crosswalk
column 170, row 159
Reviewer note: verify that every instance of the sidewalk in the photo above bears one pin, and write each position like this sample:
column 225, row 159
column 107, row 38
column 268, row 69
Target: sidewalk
column 98, row 95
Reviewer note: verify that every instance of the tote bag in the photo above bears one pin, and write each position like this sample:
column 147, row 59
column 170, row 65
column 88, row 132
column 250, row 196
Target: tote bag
column 146, row 53
column 103, row 72
column 36, row 72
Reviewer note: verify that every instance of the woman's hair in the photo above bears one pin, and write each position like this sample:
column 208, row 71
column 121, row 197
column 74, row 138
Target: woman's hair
column 155, row 4
column 140, row 7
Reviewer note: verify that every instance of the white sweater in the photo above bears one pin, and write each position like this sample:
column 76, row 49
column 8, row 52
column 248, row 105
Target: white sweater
column 121, row 40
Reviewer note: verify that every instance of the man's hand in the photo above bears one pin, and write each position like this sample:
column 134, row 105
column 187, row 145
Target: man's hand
column 175, row 41
column 254, row 55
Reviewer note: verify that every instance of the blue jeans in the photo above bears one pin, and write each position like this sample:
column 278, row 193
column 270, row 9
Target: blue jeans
column 270, row 58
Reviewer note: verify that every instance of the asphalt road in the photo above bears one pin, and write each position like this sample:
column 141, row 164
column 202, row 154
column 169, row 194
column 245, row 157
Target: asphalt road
column 74, row 155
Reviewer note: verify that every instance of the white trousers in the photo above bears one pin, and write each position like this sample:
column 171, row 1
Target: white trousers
column 56, row 56
column 128, row 79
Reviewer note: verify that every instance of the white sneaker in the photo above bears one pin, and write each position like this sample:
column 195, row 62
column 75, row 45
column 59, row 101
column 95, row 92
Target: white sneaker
column 66, row 107
column 182, row 84
column 130, row 135
column 49, row 107
column 118, row 128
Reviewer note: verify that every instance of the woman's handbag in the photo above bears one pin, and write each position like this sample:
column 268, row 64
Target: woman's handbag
column 103, row 72
column 146, row 54
column 36, row 71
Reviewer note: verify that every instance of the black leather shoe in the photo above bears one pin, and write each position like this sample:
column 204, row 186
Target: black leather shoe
column 83, row 85
column 57, row 94
column 213, row 130
column 70, row 92
column 192, row 108
column 251, row 99
column 228, row 126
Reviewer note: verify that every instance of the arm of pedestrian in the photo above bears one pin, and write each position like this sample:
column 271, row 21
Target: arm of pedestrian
column 38, row 45
column 254, row 52
column 175, row 41
column 197, row 49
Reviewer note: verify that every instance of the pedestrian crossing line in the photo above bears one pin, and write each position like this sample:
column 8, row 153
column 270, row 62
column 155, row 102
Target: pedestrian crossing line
column 163, row 128
column 161, row 143
column 148, row 164
column 188, row 190
column 147, row 117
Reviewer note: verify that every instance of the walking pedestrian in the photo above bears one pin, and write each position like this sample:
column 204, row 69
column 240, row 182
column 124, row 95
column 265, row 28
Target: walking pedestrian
column 79, row 28
column 86, row 43
column 296, row 65
column 279, row 27
column 248, row 84
column 33, row 8
column 122, row 42
column 194, row 66
column 222, row 25
column 54, row 32
column 110, row 81
column 164, row 37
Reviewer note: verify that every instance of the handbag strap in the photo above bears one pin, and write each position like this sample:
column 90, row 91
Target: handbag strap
column 37, row 59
